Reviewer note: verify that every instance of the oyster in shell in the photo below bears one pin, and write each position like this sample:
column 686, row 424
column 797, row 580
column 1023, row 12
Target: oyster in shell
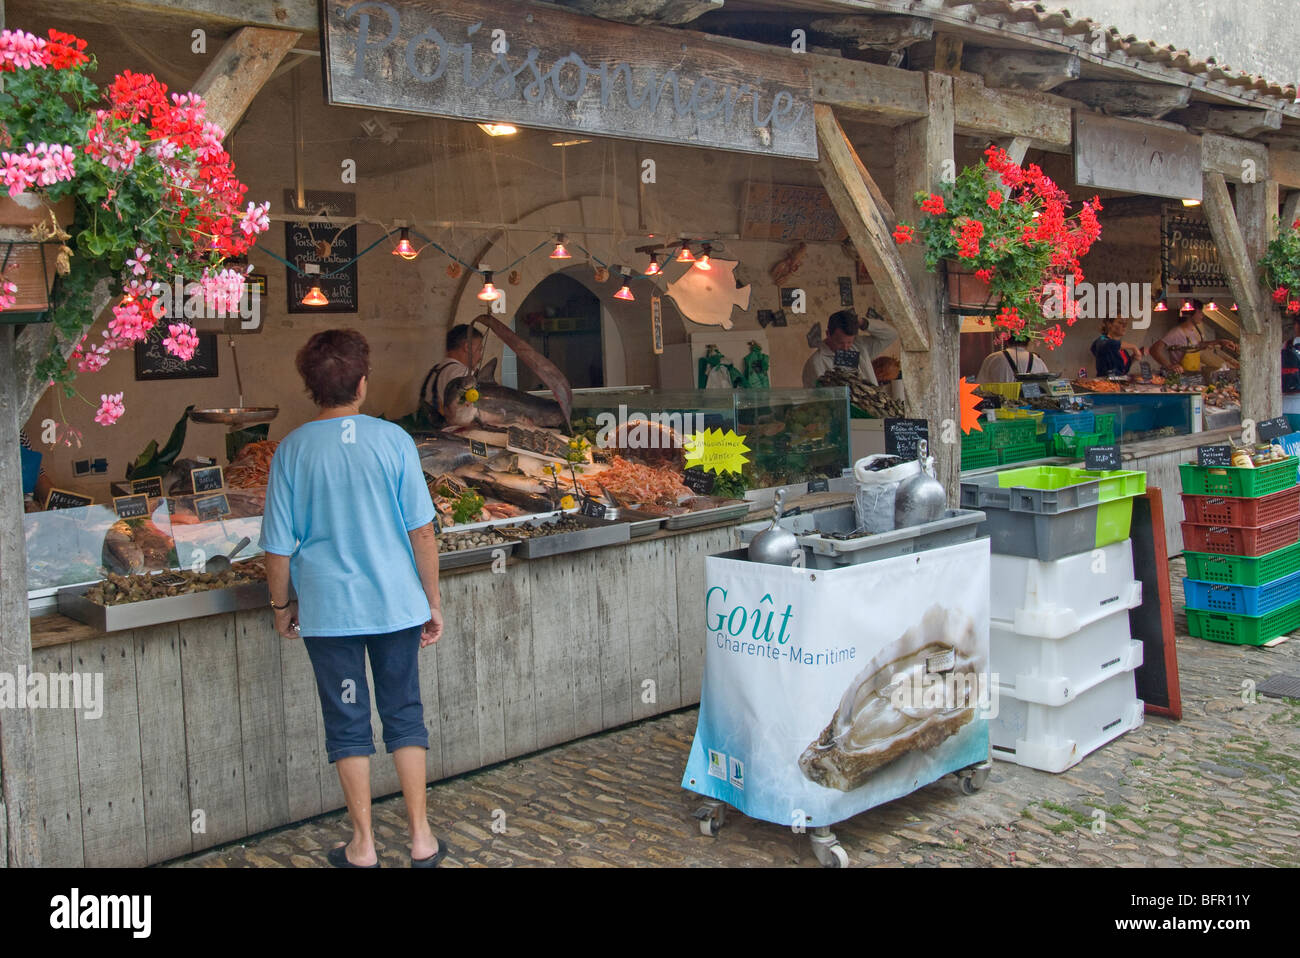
column 870, row 728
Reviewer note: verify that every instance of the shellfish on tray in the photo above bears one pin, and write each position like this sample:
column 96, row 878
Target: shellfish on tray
column 874, row 724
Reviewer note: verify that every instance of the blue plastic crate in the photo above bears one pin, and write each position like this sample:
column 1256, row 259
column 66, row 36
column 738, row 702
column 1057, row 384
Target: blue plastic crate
column 1054, row 422
column 1242, row 599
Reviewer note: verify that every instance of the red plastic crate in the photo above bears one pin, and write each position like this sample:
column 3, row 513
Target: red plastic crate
column 1240, row 540
column 1240, row 511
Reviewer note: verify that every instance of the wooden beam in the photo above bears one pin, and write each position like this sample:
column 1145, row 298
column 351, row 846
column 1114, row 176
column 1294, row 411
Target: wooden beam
column 1122, row 98
column 243, row 64
column 1290, row 210
column 1261, row 389
column 1237, row 262
column 979, row 109
column 1016, row 148
column 1235, row 159
column 869, row 90
column 1284, row 168
column 872, row 33
column 299, row 15
column 1023, row 70
column 1229, row 121
column 947, row 53
column 922, row 152
column 853, row 194
column 643, row 12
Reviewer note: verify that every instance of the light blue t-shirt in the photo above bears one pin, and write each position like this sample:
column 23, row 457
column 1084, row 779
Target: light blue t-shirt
column 342, row 496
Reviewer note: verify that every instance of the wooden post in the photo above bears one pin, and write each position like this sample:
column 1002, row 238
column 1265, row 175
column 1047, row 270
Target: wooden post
column 923, row 152
column 1261, row 351
column 17, row 744
column 238, row 71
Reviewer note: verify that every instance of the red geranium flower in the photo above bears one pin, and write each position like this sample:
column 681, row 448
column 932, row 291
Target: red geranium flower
column 1280, row 294
column 995, row 199
column 904, row 234
column 934, row 205
column 1293, row 306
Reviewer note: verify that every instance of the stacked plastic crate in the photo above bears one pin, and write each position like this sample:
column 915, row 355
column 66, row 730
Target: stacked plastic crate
column 1060, row 649
column 1074, row 433
column 1241, row 540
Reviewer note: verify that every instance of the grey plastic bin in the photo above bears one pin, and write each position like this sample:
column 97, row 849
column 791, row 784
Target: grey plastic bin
column 983, row 492
column 1043, row 537
column 957, row 525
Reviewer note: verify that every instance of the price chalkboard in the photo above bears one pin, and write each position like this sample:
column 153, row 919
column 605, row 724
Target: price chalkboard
column 1101, row 458
column 62, row 499
column 208, row 479
column 699, row 481
column 1031, row 390
column 325, row 245
column 1145, row 368
column 131, row 507
column 478, row 448
column 590, row 507
column 1271, row 429
column 211, row 507
column 1214, row 456
column 151, row 487
column 849, row 358
column 902, row 435
column 819, row 485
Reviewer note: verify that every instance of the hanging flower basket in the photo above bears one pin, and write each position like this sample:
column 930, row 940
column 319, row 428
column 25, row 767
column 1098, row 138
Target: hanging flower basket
column 968, row 294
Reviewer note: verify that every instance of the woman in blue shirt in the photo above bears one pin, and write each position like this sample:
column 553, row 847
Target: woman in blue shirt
column 1114, row 356
column 349, row 520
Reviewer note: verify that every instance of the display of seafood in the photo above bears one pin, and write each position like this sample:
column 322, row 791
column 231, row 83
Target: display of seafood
column 869, row 730
column 636, row 485
column 1222, row 396
column 472, row 539
column 137, row 545
column 122, row 589
column 252, row 465
column 496, row 406
column 876, row 401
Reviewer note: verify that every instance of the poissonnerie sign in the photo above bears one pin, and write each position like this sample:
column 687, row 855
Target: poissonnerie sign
column 540, row 67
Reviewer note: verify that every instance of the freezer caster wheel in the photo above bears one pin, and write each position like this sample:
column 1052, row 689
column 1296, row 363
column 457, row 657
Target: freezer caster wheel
column 827, row 849
column 712, row 818
column 972, row 779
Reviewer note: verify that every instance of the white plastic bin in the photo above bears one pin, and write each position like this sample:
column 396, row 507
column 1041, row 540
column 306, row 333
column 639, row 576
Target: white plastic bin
column 1054, row 738
column 1055, row 671
column 1058, row 598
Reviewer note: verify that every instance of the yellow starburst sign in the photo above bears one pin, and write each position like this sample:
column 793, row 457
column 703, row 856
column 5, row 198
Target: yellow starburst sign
column 716, row 450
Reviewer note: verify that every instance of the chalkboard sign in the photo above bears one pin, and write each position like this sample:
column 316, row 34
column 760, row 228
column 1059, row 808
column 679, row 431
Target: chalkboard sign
column 62, row 499
column 784, row 213
column 1101, row 458
column 1188, row 254
column 1271, row 429
column 697, row 480
column 819, row 485
column 590, row 507
column 846, row 290
column 151, row 487
column 1145, row 368
column 1031, row 390
column 478, row 448
column 208, row 479
column 902, row 435
column 305, row 243
column 1214, row 456
column 152, row 361
column 211, row 507
column 848, row 358
column 131, row 507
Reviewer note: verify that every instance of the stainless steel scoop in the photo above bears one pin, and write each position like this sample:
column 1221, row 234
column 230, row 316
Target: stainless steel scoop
column 219, row 564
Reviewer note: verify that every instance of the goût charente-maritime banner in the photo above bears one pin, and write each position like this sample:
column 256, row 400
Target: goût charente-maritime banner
column 526, row 64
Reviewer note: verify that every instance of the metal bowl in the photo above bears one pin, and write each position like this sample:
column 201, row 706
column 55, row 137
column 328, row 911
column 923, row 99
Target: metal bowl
column 236, row 416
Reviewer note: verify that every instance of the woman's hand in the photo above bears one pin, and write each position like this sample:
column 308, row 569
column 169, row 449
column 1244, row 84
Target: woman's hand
column 433, row 628
column 286, row 621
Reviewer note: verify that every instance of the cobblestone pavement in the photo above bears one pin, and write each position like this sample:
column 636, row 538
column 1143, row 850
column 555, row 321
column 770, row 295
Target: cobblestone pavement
column 1220, row 787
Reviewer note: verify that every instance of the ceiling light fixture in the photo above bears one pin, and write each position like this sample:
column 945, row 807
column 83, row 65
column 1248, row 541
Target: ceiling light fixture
column 577, row 141
column 1191, row 202
column 703, row 262
column 684, row 255
column 1186, row 307
column 653, row 269
column 315, row 297
column 624, row 293
column 404, row 248
column 498, row 129
column 560, row 252
column 489, row 292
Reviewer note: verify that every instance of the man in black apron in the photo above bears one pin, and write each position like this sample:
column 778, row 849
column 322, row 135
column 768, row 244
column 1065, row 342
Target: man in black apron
column 1004, row 365
column 464, row 353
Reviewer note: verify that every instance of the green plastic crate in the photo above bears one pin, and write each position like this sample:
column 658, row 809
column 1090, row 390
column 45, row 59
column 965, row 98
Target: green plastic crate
column 1115, row 483
column 979, row 459
column 1238, row 481
column 977, row 440
column 1014, row 432
column 1076, row 444
column 1023, row 453
column 1243, row 570
column 1243, row 629
column 1104, row 422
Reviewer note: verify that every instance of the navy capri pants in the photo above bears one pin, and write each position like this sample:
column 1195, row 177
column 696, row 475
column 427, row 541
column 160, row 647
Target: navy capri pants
column 340, row 666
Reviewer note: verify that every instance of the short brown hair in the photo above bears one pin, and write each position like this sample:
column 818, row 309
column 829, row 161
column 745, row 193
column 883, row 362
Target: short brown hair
column 331, row 365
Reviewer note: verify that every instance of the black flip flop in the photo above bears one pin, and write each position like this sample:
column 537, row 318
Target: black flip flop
column 338, row 857
column 432, row 860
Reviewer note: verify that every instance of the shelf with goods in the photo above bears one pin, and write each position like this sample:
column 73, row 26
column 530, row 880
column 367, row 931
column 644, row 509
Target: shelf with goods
column 1242, row 544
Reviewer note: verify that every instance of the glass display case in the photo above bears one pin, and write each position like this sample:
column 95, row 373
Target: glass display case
column 1141, row 416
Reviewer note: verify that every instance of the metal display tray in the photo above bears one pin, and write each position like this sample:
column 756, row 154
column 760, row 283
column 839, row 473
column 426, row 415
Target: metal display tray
column 458, row 558
column 639, row 523
column 137, row 615
column 956, row 525
column 599, row 532
column 727, row 510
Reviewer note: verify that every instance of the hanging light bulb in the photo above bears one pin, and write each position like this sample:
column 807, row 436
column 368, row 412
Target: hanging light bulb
column 624, row 293
column 1160, row 307
column 404, row 248
column 489, row 292
column 315, row 297
column 1212, row 305
column 684, row 256
column 560, row 252
column 653, row 269
column 1186, row 307
column 703, row 262
column 1234, row 307
column 498, row 129
column 1191, row 202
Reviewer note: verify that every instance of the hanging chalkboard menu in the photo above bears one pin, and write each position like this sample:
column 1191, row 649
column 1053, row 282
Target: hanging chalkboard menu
column 1188, row 255
column 324, row 244
column 902, row 435
column 152, row 361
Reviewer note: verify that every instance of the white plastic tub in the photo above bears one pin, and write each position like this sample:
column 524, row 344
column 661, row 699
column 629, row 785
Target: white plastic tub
column 1054, row 738
column 1058, row 598
column 1056, row 671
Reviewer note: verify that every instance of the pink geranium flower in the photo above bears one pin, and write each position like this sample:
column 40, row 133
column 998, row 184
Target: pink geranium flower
column 110, row 409
column 182, row 342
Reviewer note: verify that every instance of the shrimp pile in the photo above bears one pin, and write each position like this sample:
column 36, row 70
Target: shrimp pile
column 252, row 465
column 635, row 483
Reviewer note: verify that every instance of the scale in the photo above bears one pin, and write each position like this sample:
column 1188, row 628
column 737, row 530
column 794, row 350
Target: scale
column 236, row 416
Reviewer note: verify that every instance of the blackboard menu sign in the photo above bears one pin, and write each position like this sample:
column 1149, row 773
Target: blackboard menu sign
column 847, row 358
column 846, row 290
column 1271, row 429
column 1214, row 456
column 699, row 481
column 1101, row 458
column 819, row 485
column 325, row 245
column 590, row 507
column 208, row 479
column 211, row 507
column 62, row 499
column 478, row 448
column 1031, row 390
column 152, row 361
column 151, row 487
column 131, row 507
column 1188, row 255
column 902, row 435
